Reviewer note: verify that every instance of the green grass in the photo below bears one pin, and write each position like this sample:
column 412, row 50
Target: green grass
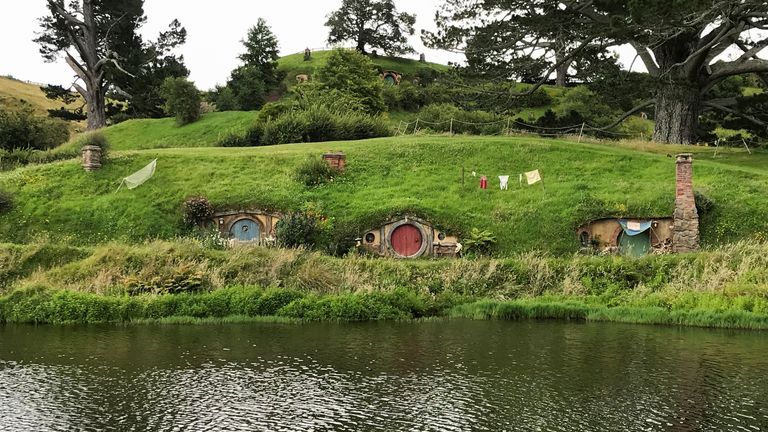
column 391, row 176
column 726, row 287
column 294, row 65
column 165, row 133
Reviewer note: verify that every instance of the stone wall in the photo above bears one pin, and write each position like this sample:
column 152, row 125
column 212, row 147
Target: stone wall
column 686, row 230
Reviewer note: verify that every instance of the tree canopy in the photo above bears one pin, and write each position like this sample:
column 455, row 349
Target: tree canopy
column 681, row 43
column 350, row 72
column 374, row 24
column 249, row 83
column 99, row 40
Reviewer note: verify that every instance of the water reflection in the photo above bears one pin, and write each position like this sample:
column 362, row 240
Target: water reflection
column 435, row 376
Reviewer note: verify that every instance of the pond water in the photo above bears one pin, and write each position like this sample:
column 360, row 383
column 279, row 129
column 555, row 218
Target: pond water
column 428, row 376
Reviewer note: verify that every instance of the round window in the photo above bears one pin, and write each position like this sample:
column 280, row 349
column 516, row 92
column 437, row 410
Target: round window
column 370, row 238
column 441, row 236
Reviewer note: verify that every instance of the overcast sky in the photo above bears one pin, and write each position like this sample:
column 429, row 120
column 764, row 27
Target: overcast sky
column 214, row 33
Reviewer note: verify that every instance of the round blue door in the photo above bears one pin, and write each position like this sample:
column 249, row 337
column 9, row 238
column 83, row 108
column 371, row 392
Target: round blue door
column 246, row 230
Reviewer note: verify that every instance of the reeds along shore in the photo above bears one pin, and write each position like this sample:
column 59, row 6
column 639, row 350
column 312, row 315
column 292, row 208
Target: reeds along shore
column 51, row 283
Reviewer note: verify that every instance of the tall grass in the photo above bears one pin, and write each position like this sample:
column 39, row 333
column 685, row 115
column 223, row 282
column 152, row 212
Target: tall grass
column 725, row 287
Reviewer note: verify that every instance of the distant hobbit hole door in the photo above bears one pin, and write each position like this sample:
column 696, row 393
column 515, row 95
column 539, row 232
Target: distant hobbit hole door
column 635, row 246
column 246, row 230
column 407, row 241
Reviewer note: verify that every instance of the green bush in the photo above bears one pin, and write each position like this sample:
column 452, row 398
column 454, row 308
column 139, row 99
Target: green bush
column 24, row 130
column 479, row 242
column 704, row 204
column 437, row 117
column 319, row 124
column 349, row 71
column 251, row 138
column 298, row 230
column 197, row 211
column 315, row 172
column 6, row 202
column 182, row 100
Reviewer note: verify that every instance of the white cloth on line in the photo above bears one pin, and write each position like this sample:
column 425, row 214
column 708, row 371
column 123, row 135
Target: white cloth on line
column 504, row 181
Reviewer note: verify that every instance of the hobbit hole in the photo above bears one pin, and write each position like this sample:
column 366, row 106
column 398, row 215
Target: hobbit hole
column 409, row 238
column 638, row 237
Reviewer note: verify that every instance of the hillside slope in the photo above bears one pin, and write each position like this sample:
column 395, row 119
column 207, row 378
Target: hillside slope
column 416, row 175
column 14, row 94
column 294, row 65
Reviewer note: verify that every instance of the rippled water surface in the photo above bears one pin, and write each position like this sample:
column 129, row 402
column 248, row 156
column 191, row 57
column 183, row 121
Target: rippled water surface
column 433, row 376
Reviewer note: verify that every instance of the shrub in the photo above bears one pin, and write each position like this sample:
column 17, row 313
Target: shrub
column 182, row 100
column 298, row 230
column 438, row 117
column 350, row 71
column 315, row 172
column 251, row 138
column 704, row 204
column 24, row 130
column 197, row 211
column 6, row 202
column 319, row 124
column 479, row 242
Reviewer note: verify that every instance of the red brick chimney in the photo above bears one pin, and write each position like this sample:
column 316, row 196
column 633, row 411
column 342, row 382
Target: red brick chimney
column 685, row 236
column 336, row 160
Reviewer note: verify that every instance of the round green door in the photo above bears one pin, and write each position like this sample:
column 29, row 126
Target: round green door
column 635, row 246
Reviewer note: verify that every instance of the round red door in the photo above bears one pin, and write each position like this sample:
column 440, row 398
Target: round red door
column 407, row 240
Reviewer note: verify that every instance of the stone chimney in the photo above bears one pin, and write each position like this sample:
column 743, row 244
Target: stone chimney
column 685, row 237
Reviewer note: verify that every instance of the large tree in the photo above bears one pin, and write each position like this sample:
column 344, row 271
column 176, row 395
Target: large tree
column 374, row 24
column 89, row 34
column 681, row 43
column 249, row 83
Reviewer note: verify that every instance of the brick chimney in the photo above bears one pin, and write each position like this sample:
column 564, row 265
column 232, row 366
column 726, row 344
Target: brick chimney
column 685, row 237
column 336, row 160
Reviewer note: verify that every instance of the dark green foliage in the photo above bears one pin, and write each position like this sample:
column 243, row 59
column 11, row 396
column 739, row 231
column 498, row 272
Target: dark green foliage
column 182, row 280
column 371, row 24
column 298, row 230
column 315, row 172
column 182, row 100
column 351, row 72
column 318, row 124
column 250, row 83
column 20, row 157
column 22, row 129
column 437, row 117
column 479, row 242
column 704, row 204
column 6, row 202
column 198, row 211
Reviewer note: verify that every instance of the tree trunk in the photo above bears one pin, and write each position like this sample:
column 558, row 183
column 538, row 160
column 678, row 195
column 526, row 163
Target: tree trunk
column 561, row 74
column 677, row 113
column 97, row 116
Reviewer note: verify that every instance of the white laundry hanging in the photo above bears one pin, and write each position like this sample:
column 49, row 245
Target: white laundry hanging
column 504, row 181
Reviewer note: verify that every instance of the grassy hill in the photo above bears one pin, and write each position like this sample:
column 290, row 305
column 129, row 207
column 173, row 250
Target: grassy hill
column 294, row 65
column 165, row 133
column 420, row 175
column 14, row 94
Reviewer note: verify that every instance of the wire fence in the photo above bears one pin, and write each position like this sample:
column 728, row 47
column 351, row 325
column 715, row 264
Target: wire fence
column 412, row 127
